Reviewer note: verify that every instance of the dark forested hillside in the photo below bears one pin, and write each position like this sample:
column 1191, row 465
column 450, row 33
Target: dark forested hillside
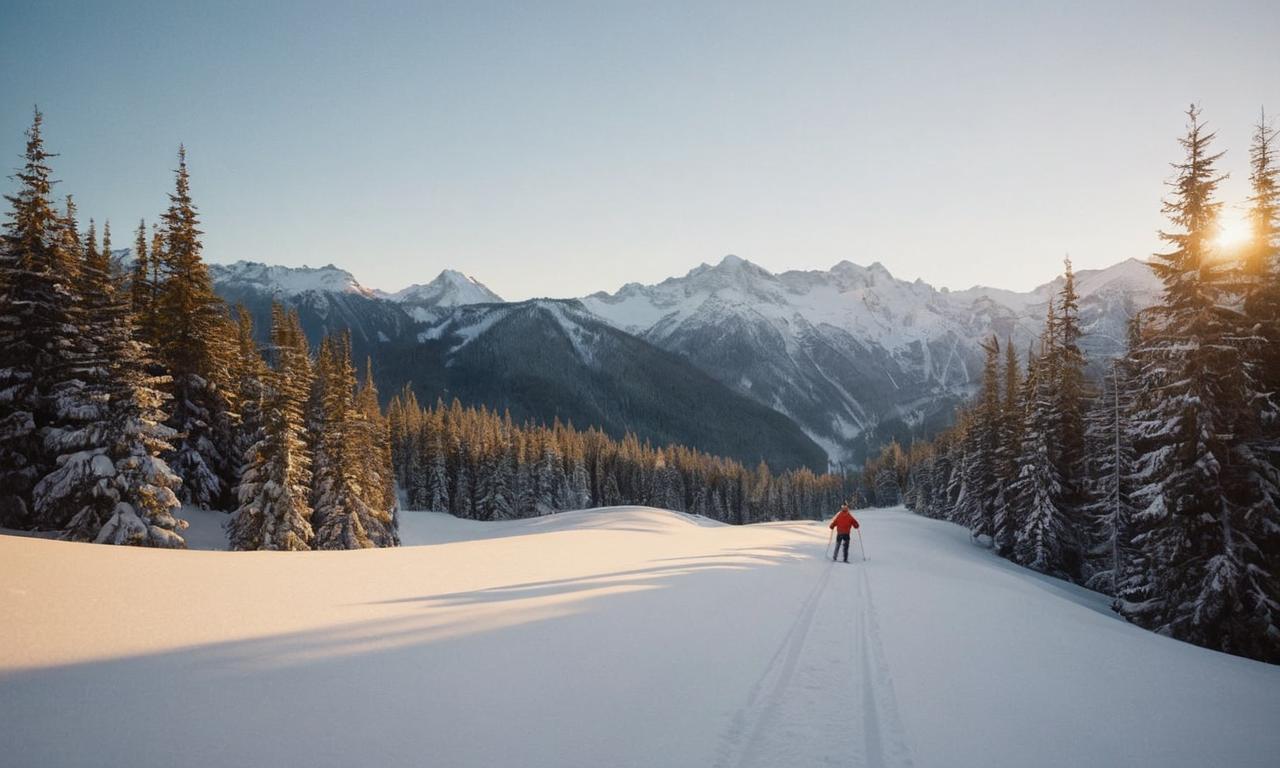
column 547, row 360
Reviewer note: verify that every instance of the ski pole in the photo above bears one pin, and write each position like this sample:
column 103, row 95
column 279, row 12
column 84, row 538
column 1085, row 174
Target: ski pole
column 860, row 547
column 830, row 536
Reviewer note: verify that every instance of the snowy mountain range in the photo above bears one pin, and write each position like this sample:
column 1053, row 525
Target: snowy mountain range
column 449, row 289
column 852, row 355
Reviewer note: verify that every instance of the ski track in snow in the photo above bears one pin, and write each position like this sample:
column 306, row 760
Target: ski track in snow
column 887, row 743
column 832, row 652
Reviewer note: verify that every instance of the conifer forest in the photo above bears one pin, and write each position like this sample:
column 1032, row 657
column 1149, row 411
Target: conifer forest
column 1158, row 483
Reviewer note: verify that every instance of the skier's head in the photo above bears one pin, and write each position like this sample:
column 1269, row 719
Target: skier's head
column 844, row 507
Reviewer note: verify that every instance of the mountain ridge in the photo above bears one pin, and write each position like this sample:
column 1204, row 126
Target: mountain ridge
column 853, row 355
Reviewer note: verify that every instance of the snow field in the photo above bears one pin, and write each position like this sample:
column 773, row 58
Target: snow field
column 621, row 637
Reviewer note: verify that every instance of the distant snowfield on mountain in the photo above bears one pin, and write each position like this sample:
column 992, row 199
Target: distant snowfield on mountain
column 619, row 637
column 288, row 281
column 852, row 355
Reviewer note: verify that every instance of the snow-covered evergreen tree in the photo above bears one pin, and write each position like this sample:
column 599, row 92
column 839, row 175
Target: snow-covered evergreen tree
column 37, row 327
column 76, row 434
column 142, row 289
column 249, row 376
column 1204, row 578
column 437, row 496
column 1044, row 537
column 1070, row 397
column 110, row 481
column 70, row 432
column 274, row 509
column 981, row 465
column 194, row 346
column 1007, row 518
column 373, row 457
column 1258, row 449
column 1110, row 471
column 493, row 479
column 351, row 508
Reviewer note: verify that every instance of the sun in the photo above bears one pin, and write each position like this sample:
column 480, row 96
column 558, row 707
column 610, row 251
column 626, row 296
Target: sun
column 1233, row 231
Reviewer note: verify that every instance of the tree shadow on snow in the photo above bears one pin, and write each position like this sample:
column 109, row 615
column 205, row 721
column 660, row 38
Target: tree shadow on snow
column 423, row 686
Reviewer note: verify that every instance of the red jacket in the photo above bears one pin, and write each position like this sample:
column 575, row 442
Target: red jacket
column 843, row 522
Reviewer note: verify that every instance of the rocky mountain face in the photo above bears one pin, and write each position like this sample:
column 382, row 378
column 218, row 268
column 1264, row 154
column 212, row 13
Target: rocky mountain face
column 854, row 355
column 729, row 358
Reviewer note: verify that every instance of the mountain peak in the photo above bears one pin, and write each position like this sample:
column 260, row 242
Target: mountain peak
column 287, row 281
column 739, row 268
column 450, row 288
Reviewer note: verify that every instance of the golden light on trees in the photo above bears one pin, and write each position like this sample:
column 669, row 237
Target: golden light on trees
column 1234, row 232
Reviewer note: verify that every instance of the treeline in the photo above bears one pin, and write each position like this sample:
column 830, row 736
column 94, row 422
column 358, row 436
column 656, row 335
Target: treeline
column 1159, row 485
column 477, row 464
column 125, row 395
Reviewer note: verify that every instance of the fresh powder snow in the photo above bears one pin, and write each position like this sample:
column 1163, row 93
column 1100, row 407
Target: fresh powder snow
column 616, row 637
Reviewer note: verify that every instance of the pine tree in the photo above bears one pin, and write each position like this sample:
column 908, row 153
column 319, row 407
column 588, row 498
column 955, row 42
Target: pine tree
column 437, row 472
column 461, row 500
column 38, row 330
column 373, row 458
column 1007, row 519
column 350, row 498
column 140, row 293
column 193, row 347
column 249, row 375
column 981, row 476
column 76, row 436
column 1262, row 258
column 1204, row 582
column 112, row 480
column 1257, row 451
column 1111, row 466
column 493, row 489
column 338, row 518
column 1070, row 395
column 275, row 511
column 1043, row 536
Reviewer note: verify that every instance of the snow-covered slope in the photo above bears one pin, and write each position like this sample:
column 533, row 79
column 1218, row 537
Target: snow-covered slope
column 285, row 281
column 853, row 351
column 624, row 637
column 449, row 289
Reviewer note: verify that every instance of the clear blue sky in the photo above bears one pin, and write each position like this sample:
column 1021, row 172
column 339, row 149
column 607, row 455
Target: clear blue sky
column 561, row 148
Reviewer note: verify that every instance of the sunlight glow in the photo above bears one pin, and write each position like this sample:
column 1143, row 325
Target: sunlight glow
column 1233, row 231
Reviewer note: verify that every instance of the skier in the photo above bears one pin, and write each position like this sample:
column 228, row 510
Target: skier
column 843, row 523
